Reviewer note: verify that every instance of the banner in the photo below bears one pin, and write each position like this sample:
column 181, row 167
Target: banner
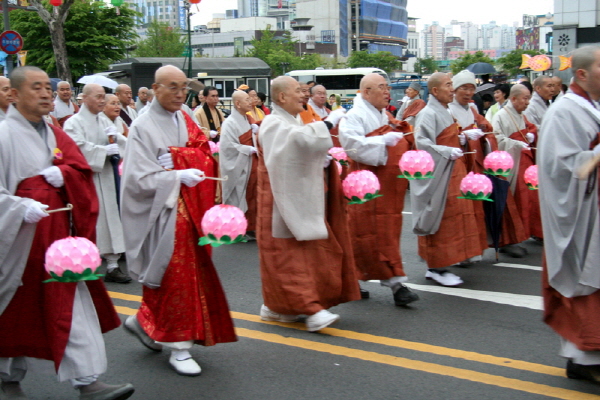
column 22, row 57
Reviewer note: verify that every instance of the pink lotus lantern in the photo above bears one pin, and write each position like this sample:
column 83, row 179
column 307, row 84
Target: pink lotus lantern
column 223, row 224
column 476, row 187
column 73, row 259
column 498, row 163
column 214, row 147
column 339, row 155
column 416, row 164
column 361, row 186
column 531, row 177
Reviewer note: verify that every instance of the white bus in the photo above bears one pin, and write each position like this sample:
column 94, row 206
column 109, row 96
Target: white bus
column 344, row 82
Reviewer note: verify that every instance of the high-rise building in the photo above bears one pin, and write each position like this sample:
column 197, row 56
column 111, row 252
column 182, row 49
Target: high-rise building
column 171, row 12
column 432, row 41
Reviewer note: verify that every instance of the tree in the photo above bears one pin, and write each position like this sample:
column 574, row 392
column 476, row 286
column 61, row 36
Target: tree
column 511, row 61
column 382, row 59
column 426, row 65
column 81, row 39
column 162, row 41
column 467, row 59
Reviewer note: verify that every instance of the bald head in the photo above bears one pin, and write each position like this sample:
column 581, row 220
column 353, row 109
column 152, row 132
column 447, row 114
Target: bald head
column 287, row 94
column 519, row 97
column 91, row 88
column 168, row 73
column 170, row 87
column 541, row 80
column 63, row 88
column 436, row 79
column 440, row 87
column 543, row 85
column 124, row 94
column 94, row 98
column 585, row 65
column 241, row 101
column 280, row 85
column 375, row 91
column 518, row 90
column 5, row 93
column 370, row 80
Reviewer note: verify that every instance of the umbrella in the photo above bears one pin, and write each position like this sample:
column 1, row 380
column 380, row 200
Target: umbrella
column 481, row 68
column 494, row 210
column 54, row 83
column 99, row 79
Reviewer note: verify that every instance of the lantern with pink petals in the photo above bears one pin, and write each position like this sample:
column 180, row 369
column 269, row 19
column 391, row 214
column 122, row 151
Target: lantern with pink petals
column 339, row 155
column 72, row 259
column 498, row 163
column 416, row 164
column 214, row 147
column 531, row 177
column 476, row 187
column 361, row 186
column 223, row 224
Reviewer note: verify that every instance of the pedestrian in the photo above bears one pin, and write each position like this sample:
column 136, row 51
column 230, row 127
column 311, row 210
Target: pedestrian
column 164, row 197
column 262, row 103
column 501, row 93
column 376, row 226
column 304, row 245
column 40, row 168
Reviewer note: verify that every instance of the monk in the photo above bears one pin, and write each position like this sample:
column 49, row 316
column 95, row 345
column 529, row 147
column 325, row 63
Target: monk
column 308, row 114
column 447, row 226
column 543, row 91
column 64, row 107
column 373, row 144
column 304, row 245
column 412, row 105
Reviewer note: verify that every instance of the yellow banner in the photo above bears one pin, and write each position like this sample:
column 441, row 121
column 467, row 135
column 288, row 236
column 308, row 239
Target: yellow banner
column 22, row 57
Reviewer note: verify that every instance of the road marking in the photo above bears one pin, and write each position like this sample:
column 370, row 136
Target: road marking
column 520, row 266
column 125, row 296
column 474, row 376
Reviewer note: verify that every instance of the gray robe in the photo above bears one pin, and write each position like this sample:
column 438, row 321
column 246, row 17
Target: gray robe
column 87, row 130
column 235, row 160
column 535, row 110
column 569, row 215
column 149, row 193
column 428, row 196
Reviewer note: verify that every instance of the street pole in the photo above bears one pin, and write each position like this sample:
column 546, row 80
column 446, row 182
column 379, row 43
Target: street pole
column 9, row 57
column 189, row 32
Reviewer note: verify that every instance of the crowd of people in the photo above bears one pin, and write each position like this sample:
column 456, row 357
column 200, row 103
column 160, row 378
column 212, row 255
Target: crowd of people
column 313, row 247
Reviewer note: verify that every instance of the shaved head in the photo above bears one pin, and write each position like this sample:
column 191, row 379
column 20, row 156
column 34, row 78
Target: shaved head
column 519, row 97
column 518, row 90
column 584, row 58
column 370, row 80
column 170, row 87
column 541, row 81
column 241, row 101
column 90, row 88
column 280, row 85
column 436, row 80
column 287, row 94
column 168, row 73
column 586, row 70
column 63, row 84
column 440, row 86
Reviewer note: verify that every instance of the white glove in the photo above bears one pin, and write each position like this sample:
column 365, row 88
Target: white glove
column 336, row 116
column 166, row 161
column 253, row 150
column 405, row 99
column 462, row 138
column 254, row 129
column 112, row 149
column 111, row 131
column 524, row 146
column 596, row 150
column 213, row 134
column 327, row 161
column 392, row 138
column 35, row 212
column 456, row 154
column 530, row 137
column 191, row 177
column 474, row 134
column 53, row 175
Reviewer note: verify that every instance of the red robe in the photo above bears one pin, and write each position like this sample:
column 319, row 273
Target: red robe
column 190, row 304
column 37, row 321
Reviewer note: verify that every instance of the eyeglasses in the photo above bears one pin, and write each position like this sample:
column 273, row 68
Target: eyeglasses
column 383, row 87
column 176, row 89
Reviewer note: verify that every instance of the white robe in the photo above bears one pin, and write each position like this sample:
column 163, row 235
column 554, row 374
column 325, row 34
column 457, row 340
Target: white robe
column 62, row 109
column 118, row 123
column 235, row 160
column 130, row 111
column 535, row 110
column 87, row 130
column 321, row 111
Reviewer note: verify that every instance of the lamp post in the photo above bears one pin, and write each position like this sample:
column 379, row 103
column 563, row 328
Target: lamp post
column 188, row 4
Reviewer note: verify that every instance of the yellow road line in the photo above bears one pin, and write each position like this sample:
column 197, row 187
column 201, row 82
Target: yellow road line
column 474, row 376
column 124, row 296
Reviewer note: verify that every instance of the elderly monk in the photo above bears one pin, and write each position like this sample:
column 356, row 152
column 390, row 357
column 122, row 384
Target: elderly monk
column 308, row 114
column 64, row 106
column 372, row 144
column 571, row 277
column 90, row 131
column 5, row 97
column 558, row 93
column 318, row 98
column 238, row 160
column 413, row 105
column 446, row 225
column 112, row 111
column 40, row 168
column 515, row 134
column 543, row 87
column 304, row 246
column 162, row 204
column 142, row 99
column 127, row 113
column 209, row 116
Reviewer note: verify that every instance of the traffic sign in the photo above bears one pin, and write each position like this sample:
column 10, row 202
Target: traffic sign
column 11, row 42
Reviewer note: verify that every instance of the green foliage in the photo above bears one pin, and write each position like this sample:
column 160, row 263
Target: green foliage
column 426, row 65
column 467, row 59
column 511, row 61
column 382, row 59
column 95, row 37
column 279, row 53
column 162, row 41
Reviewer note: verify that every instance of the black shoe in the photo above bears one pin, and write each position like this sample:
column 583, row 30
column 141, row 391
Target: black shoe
column 364, row 294
column 117, row 276
column 514, row 250
column 403, row 295
column 585, row 372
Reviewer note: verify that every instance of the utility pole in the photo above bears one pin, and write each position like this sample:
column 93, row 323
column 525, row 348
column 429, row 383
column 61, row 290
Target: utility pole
column 9, row 57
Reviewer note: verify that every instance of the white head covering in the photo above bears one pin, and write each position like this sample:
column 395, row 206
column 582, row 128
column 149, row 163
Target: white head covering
column 463, row 78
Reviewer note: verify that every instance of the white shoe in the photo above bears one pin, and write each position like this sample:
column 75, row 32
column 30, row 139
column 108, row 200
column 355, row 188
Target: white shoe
column 321, row 320
column 183, row 363
column 268, row 315
column 444, row 278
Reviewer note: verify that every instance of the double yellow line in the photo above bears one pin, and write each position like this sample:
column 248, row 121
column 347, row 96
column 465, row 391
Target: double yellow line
column 474, row 376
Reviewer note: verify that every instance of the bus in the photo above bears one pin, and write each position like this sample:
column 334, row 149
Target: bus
column 343, row 82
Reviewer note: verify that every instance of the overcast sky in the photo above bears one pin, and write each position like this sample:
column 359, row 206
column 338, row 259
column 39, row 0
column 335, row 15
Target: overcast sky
column 443, row 11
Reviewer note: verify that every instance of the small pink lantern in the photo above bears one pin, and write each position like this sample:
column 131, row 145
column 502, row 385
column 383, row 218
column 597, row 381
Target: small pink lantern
column 72, row 259
column 476, row 187
column 416, row 164
column 498, row 163
column 214, row 147
column 339, row 155
column 361, row 186
column 531, row 177
column 223, row 224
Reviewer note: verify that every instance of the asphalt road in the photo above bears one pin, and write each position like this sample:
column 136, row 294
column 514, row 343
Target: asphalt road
column 485, row 340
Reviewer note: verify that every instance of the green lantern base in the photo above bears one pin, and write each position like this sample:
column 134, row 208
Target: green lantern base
column 417, row 175
column 70, row 276
column 498, row 172
column 368, row 196
column 214, row 242
column 531, row 187
column 471, row 196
